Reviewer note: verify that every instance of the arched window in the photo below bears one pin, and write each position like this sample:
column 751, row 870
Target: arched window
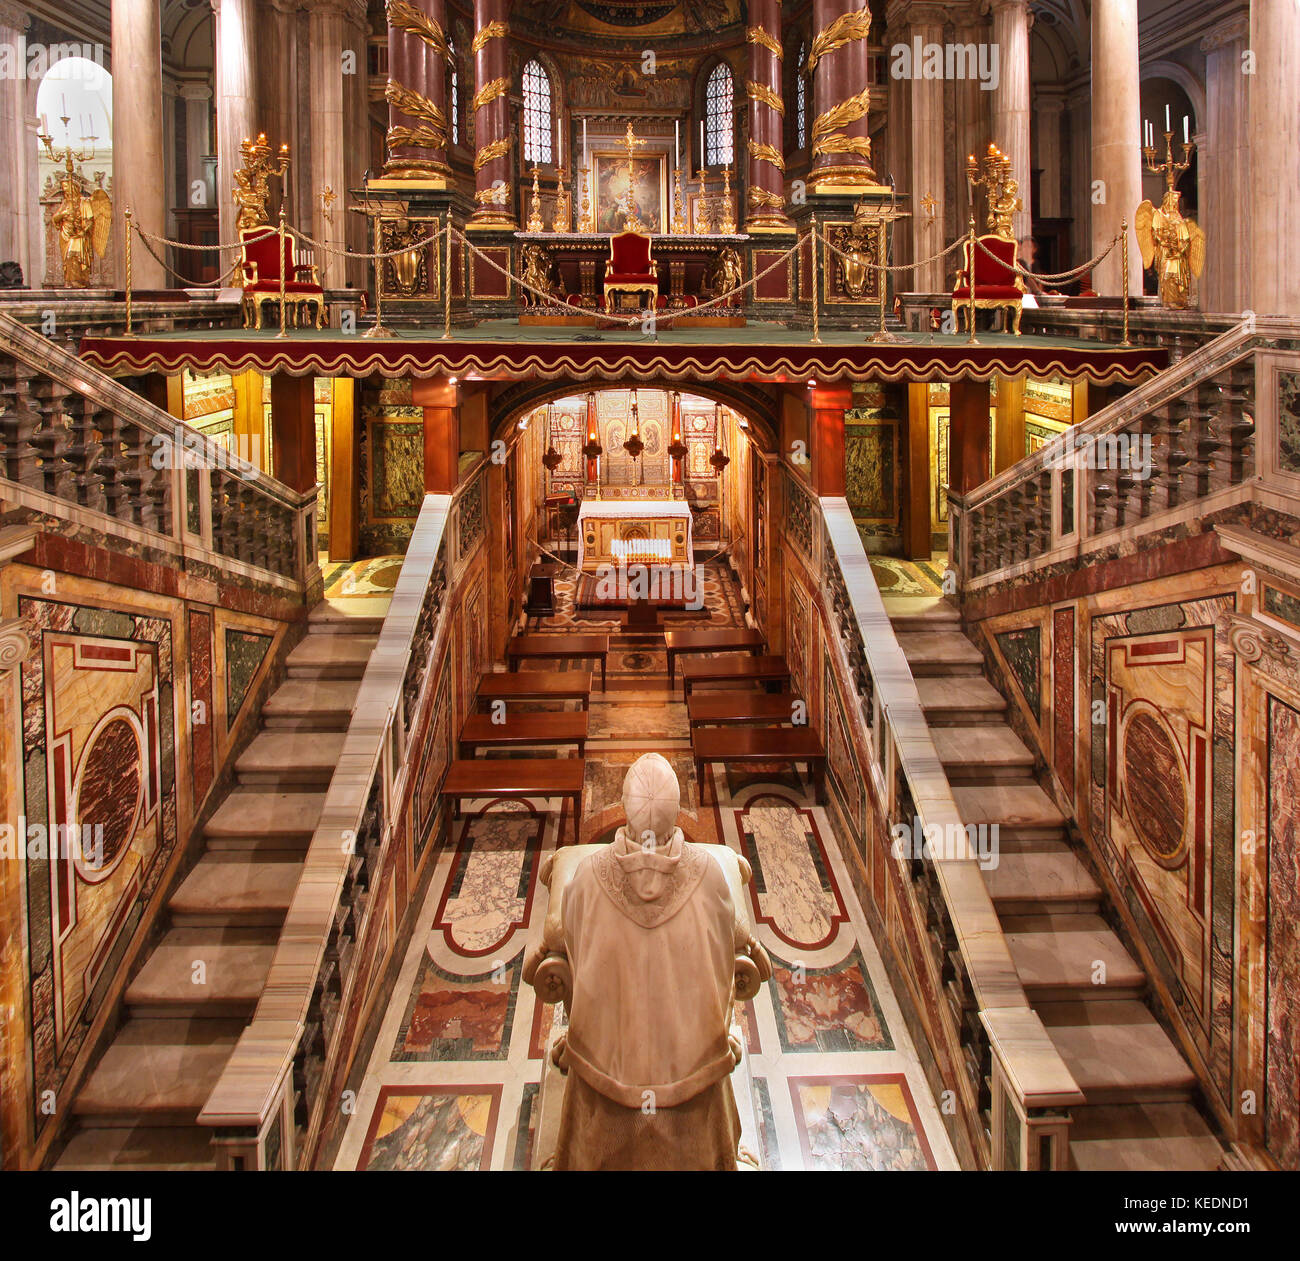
column 719, row 117
column 801, row 99
column 453, row 96
column 537, row 113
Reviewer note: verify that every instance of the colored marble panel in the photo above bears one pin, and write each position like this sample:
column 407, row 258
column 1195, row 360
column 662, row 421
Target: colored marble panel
column 245, row 652
column 1022, row 650
column 1282, row 605
column 201, row 746
column 526, row 1129
column 1282, row 1045
column 859, row 1123
column 432, row 1128
column 397, row 469
column 870, row 470
column 458, row 1018
column 828, row 1009
column 1288, row 418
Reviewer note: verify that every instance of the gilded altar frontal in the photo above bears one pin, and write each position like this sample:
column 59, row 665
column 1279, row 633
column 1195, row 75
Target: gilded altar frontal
column 643, row 587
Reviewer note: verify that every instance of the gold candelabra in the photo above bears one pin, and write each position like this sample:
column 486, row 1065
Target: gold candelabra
column 679, row 227
column 1003, row 189
column 1170, row 169
column 585, row 223
column 535, row 214
column 84, row 221
column 703, row 175
column 561, row 218
column 252, row 180
column 727, row 226
column 67, row 156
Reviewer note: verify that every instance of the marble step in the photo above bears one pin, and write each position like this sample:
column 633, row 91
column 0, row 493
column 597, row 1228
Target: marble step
column 235, row 890
column 330, row 655
column 352, row 616
column 931, row 653
column 1143, row 1137
column 1117, row 1052
column 286, row 759
column 982, row 755
column 252, row 820
column 235, row 963
column 961, row 701
column 311, row 705
column 1062, row 957
column 158, row 1072
column 138, row 1148
column 1041, row 881
column 1023, row 812
column 921, row 614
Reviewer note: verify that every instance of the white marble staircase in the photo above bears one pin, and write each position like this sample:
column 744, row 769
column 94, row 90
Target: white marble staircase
column 188, row 1002
column 1085, row 986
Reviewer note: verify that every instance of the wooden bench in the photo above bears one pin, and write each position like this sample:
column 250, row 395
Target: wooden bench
column 516, row 778
column 536, row 685
column 559, row 648
column 549, row 728
column 733, row 670
column 729, row 639
column 766, row 745
column 713, row 709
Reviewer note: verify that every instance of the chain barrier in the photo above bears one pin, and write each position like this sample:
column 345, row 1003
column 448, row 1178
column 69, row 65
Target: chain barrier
column 897, row 267
column 385, row 254
column 1053, row 277
column 186, row 283
column 184, row 245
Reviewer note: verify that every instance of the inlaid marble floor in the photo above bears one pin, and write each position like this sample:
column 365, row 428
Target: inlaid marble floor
column 453, row 1078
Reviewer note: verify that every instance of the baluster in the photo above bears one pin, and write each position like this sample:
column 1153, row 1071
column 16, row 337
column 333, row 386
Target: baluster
column 1173, row 430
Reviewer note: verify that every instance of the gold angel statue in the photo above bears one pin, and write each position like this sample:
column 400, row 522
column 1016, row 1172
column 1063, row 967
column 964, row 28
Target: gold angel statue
column 84, row 222
column 1175, row 245
column 252, row 180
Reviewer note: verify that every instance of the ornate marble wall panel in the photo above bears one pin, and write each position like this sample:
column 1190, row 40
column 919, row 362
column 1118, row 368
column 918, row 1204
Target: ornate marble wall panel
column 1022, row 650
column 1063, row 691
column 202, row 716
column 390, row 466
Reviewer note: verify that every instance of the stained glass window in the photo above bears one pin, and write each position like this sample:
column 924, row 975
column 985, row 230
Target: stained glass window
column 719, row 117
column 801, row 99
column 537, row 113
column 453, row 96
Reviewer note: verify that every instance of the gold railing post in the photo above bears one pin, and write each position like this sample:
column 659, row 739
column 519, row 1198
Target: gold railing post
column 1123, row 227
column 816, row 330
column 446, row 285
column 378, row 330
column 284, row 332
column 970, row 284
column 129, row 226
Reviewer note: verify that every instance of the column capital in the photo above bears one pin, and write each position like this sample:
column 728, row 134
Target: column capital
column 192, row 91
column 13, row 16
column 1233, row 30
column 1049, row 98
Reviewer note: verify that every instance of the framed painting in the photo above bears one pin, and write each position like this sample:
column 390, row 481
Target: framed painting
column 649, row 187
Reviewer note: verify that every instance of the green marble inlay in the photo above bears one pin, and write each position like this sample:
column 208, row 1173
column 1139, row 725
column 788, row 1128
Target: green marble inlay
column 1288, row 421
column 1282, row 605
column 397, row 463
column 1023, row 651
column 245, row 652
column 869, row 469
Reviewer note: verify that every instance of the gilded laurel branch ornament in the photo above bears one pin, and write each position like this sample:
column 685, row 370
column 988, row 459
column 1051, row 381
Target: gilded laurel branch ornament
column 762, row 197
column 406, row 17
column 848, row 111
column 416, row 104
column 493, row 30
column 490, row 152
column 844, row 30
column 840, row 143
column 421, row 137
column 489, row 92
column 767, row 153
column 761, row 92
column 757, row 35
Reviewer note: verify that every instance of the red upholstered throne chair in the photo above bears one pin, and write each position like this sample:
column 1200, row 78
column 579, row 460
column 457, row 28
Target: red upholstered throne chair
column 260, row 270
column 630, row 269
column 997, row 283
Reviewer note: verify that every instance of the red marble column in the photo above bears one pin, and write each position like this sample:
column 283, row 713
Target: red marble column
column 493, row 180
column 418, row 128
column 841, row 147
column 765, row 200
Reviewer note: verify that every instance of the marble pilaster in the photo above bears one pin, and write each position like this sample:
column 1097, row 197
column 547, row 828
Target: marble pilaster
column 1049, row 106
column 926, row 181
column 1225, row 212
column 1011, row 22
column 196, row 99
column 236, row 100
column 327, row 21
column 19, row 209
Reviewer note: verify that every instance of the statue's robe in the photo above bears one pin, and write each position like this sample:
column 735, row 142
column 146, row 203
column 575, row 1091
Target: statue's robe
column 651, row 939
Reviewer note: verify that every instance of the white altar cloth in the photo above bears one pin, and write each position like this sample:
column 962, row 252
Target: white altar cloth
column 636, row 509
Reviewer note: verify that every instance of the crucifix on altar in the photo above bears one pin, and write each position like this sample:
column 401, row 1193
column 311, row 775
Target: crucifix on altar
column 632, row 220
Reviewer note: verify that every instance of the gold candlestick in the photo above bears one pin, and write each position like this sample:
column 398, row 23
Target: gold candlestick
column 535, row 214
column 585, row 223
column 728, row 225
column 702, row 175
column 561, row 219
column 679, row 221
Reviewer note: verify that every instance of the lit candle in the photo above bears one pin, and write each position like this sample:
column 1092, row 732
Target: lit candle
column 585, row 163
column 1169, row 126
column 703, row 164
column 677, row 144
column 1187, row 129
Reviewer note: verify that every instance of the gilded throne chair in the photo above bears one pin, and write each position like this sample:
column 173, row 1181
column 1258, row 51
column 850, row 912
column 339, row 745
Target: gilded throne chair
column 630, row 269
column 997, row 283
column 261, row 270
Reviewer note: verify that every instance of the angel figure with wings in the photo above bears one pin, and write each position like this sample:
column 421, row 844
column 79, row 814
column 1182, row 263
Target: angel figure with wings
column 1175, row 245
column 84, row 222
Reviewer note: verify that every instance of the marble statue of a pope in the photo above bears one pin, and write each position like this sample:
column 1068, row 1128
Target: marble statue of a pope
column 652, row 936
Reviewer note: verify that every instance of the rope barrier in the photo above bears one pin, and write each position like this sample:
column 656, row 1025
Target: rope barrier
column 219, row 283
column 185, row 245
column 1052, row 277
column 925, row 262
column 384, row 254
column 708, row 560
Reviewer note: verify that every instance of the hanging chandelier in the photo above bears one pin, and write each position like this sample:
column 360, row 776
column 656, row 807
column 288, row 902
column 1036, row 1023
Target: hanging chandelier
column 634, row 446
column 719, row 459
column 552, row 459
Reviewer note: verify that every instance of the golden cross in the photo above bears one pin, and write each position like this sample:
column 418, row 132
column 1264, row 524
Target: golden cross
column 631, row 142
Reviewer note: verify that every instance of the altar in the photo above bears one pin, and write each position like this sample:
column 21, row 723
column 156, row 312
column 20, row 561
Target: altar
column 622, row 532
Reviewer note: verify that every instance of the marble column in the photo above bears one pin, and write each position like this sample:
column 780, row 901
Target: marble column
column 138, row 166
column 841, row 68
column 418, row 126
column 1224, row 161
column 1274, row 145
column 18, row 209
column 326, row 23
column 1116, row 141
column 493, row 167
column 971, row 124
column 1011, row 21
column 197, row 98
column 358, row 158
column 236, row 101
column 1050, row 105
column 765, row 200
column 925, row 175
column 1079, row 105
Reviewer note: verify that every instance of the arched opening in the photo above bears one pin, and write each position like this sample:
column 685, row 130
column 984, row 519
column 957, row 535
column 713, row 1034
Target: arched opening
column 538, row 116
column 719, row 117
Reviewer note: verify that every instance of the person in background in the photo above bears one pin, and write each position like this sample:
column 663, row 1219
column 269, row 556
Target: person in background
column 1027, row 249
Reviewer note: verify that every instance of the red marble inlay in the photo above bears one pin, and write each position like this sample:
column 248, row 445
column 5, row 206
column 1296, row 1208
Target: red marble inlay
column 1063, row 696
column 201, row 692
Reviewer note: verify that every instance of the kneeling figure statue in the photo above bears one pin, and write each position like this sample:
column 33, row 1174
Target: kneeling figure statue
column 650, row 950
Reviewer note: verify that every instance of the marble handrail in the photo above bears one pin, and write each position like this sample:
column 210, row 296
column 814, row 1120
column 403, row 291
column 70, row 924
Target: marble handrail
column 1031, row 1062
column 253, row 1084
